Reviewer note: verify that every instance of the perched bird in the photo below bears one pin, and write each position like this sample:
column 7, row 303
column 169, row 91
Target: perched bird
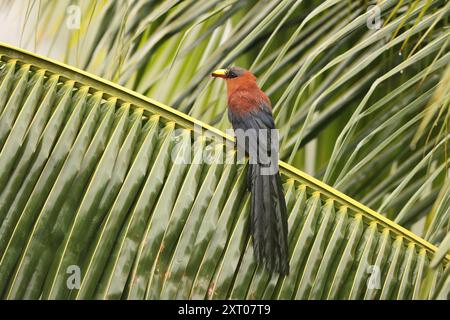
column 250, row 110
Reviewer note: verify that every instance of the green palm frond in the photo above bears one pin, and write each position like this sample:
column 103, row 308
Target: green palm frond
column 349, row 97
column 89, row 180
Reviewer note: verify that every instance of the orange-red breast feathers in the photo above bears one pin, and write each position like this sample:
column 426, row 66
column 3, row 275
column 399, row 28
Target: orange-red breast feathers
column 244, row 94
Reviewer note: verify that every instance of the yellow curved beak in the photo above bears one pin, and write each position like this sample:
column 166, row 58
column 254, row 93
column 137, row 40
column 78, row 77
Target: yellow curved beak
column 220, row 73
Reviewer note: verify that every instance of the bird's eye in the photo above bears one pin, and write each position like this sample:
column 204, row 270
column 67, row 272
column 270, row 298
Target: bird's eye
column 231, row 74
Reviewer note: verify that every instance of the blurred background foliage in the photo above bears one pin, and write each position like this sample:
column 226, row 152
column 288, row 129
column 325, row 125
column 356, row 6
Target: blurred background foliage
column 361, row 103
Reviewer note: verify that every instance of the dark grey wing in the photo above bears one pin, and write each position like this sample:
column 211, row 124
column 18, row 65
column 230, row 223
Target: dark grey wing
column 254, row 132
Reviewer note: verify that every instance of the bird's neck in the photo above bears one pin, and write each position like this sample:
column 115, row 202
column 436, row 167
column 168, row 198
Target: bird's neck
column 244, row 95
column 246, row 82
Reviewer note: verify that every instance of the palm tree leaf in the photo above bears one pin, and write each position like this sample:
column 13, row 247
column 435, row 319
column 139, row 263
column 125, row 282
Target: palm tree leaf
column 105, row 179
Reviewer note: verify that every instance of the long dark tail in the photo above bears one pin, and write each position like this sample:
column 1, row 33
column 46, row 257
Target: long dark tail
column 268, row 224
